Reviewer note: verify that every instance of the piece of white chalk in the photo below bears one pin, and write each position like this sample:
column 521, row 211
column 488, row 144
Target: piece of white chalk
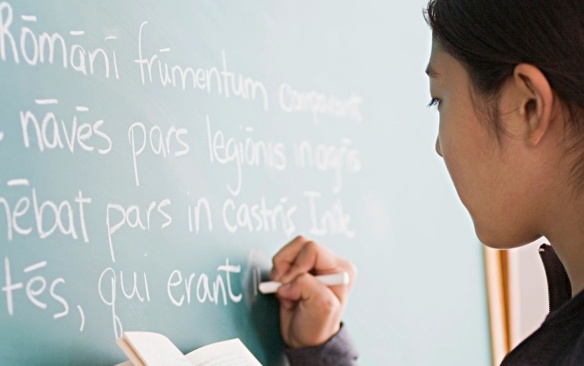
column 334, row 279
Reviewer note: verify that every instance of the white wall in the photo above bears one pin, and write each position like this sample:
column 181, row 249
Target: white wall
column 529, row 298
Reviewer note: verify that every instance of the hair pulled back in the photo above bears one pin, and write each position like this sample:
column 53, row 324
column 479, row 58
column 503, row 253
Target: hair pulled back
column 491, row 37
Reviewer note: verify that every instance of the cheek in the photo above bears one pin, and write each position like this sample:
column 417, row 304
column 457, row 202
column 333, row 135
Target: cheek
column 462, row 145
column 485, row 184
column 458, row 173
column 450, row 144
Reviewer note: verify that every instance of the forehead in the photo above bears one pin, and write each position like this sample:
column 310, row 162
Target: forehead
column 437, row 60
column 442, row 66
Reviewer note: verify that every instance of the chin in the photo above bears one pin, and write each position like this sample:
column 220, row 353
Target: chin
column 500, row 245
column 503, row 239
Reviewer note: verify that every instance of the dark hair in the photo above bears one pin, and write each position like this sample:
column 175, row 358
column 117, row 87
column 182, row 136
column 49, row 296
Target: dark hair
column 491, row 37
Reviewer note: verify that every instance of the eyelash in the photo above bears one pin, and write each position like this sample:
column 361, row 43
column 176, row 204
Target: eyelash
column 434, row 102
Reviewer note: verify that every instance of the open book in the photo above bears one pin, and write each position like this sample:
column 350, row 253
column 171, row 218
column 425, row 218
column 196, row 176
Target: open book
column 154, row 349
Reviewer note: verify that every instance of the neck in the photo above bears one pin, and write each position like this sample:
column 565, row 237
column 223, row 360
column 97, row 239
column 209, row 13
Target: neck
column 573, row 265
column 566, row 234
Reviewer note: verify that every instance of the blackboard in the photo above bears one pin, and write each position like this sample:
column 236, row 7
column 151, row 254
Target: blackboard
column 155, row 155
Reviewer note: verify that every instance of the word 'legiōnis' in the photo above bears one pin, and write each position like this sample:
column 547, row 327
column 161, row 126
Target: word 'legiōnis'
column 244, row 152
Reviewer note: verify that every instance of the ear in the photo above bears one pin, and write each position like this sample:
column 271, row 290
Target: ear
column 535, row 100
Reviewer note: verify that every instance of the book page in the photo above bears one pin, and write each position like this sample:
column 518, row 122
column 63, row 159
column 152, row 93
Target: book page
column 227, row 353
column 155, row 349
column 134, row 359
column 125, row 363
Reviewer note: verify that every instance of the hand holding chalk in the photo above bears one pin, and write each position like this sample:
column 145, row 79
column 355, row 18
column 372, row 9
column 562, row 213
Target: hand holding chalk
column 334, row 279
column 313, row 300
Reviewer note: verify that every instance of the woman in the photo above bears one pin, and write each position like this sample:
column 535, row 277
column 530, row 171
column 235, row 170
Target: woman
column 507, row 78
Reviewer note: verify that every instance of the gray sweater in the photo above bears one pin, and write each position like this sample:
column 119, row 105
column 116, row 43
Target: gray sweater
column 338, row 351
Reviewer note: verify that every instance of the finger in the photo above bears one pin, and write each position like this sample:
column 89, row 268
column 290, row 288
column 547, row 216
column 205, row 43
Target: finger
column 303, row 256
column 285, row 257
column 300, row 288
column 306, row 289
column 287, row 304
column 316, row 313
column 315, row 259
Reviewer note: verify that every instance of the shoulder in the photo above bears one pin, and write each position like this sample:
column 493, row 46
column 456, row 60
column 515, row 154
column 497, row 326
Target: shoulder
column 559, row 340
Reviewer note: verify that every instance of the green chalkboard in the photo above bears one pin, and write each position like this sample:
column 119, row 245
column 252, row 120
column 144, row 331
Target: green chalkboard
column 155, row 156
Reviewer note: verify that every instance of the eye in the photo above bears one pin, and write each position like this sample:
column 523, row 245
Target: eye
column 434, row 102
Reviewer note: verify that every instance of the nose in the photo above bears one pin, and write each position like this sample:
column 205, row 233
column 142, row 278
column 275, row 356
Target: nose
column 438, row 150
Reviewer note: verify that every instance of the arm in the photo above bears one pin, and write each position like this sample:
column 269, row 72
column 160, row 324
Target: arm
column 338, row 351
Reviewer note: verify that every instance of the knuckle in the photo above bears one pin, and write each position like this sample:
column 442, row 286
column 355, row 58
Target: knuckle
column 301, row 279
column 311, row 245
column 328, row 305
column 299, row 237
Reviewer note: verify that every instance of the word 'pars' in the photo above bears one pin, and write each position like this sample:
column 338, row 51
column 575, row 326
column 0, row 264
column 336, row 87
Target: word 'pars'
column 165, row 144
column 135, row 217
column 45, row 217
